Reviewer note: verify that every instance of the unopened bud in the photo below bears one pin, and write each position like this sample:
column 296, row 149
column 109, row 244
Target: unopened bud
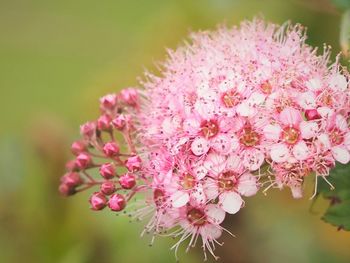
column 127, row 181
column 66, row 190
column 120, row 122
column 78, row 147
column 108, row 102
column 107, row 188
column 312, row 115
column 116, row 202
column 88, row 130
column 107, row 170
column 133, row 163
column 104, row 123
column 71, row 179
column 111, row 149
column 98, row 201
column 83, row 161
column 129, row 96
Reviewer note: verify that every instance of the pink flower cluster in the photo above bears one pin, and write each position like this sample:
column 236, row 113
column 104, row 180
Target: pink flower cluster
column 233, row 110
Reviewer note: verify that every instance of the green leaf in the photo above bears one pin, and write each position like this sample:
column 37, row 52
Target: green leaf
column 339, row 215
column 345, row 32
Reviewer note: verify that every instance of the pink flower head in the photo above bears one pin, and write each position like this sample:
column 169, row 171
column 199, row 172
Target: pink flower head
column 233, row 110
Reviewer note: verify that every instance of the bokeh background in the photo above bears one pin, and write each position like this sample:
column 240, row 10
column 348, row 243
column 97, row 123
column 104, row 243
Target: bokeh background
column 56, row 59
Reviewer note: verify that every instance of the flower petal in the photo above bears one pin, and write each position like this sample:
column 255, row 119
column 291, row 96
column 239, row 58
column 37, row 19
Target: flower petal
column 308, row 129
column 279, row 153
column 231, row 202
column 338, row 82
column 307, row 100
column 200, row 146
column 179, row 199
column 341, row 154
column 253, row 159
column 210, row 232
column 297, row 192
column 301, row 151
column 290, row 116
column 272, row 132
column 215, row 214
column 247, row 185
column 221, row 143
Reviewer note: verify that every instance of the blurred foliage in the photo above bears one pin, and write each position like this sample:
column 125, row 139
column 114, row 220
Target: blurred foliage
column 57, row 59
column 343, row 4
column 338, row 212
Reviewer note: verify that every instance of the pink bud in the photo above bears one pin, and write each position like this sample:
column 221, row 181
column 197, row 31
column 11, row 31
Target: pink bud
column 72, row 165
column 133, row 163
column 127, row 181
column 97, row 201
column 104, row 123
column 83, row 161
column 66, row 190
column 116, row 202
column 107, row 170
column 312, row 115
column 107, row 188
column 129, row 96
column 78, row 147
column 111, row 149
column 71, row 179
column 88, row 130
column 108, row 102
column 120, row 121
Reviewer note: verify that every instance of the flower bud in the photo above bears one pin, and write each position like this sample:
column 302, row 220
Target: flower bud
column 108, row 102
column 72, row 166
column 71, row 179
column 83, row 161
column 129, row 96
column 127, row 181
column 120, row 122
column 107, row 188
column 111, row 149
column 312, row 115
column 66, row 190
column 97, row 201
column 78, row 147
column 116, row 202
column 133, row 163
column 104, row 123
column 88, row 130
column 107, row 170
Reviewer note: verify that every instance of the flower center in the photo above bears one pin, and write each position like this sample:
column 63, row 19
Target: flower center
column 266, row 87
column 249, row 137
column 196, row 217
column 290, row 135
column 158, row 196
column 336, row 137
column 230, row 98
column 188, row 181
column 209, row 128
column 227, row 181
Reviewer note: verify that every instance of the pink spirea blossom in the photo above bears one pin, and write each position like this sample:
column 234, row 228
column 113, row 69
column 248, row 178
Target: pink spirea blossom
column 232, row 110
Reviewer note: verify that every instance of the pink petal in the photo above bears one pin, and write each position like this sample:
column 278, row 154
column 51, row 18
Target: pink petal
column 234, row 163
column 314, row 84
column 234, row 142
column 215, row 214
column 279, row 153
column 341, row 123
column 301, row 151
column 197, row 195
column 245, row 110
column 179, row 198
column 253, row 159
column 200, row 172
column 308, row 129
column 272, row 132
column 247, row 185
column 324, row 140
column 191, row 126
column 200, row 146
column 297, row 192
column 210, row 232
column 307, row 100
column 347, row 140
column 221, row 143
column 211, row 189
column 341, row 154
column 231, row 202
column 290, row 116
column 338, row 82
column 215, row 163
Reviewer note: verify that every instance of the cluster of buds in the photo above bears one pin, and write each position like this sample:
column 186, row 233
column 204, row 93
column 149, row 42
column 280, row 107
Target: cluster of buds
column 100, row 159
column 235, row 110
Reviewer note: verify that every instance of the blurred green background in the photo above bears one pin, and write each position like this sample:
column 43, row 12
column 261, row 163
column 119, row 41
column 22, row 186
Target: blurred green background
column 56, row 59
